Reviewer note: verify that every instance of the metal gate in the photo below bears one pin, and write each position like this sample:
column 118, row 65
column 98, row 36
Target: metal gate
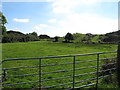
column 69, row 71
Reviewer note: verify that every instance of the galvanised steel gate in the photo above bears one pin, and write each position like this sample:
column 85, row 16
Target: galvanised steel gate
column 99, row 67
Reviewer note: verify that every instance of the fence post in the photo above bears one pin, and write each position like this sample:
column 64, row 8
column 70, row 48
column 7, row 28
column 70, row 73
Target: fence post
column 40, row 73
column 118, row 64
column 97, row 71
column 74, row 73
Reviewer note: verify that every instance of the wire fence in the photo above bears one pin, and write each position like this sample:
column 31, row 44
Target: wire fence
column 70, row 71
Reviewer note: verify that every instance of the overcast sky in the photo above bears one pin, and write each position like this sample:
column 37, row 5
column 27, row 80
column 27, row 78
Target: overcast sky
column 57, row 17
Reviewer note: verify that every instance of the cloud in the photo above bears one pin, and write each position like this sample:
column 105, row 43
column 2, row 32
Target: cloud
column 63, row 6
column 67, row 6
column 88, row 23
column 52, row 20
column 24, row 1
column 21, row 20
column 14, row 29
column 86, row 0
column 40, row 26
column 81, row 23
column 43, row 29
column 57, row 0
column 75, row 22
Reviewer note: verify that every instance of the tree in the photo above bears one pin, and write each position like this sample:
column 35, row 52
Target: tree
column 112, row 37
column 78, row 37
column 44, row 37
column 33, row 36
column 56, row 38
column 87, row 38
column 3, row 21
column 34, row 33
column 4, row 31
column 68, row 37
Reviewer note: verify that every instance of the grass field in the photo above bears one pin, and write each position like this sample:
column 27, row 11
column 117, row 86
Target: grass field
column 46, row 48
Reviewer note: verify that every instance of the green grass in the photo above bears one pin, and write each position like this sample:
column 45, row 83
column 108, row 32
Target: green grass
column 45, row 48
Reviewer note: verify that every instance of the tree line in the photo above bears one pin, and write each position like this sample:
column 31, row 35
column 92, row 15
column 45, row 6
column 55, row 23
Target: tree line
column 16, row 36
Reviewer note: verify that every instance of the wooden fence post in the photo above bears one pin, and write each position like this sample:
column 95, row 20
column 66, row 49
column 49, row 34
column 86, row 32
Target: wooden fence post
column 118, row 65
